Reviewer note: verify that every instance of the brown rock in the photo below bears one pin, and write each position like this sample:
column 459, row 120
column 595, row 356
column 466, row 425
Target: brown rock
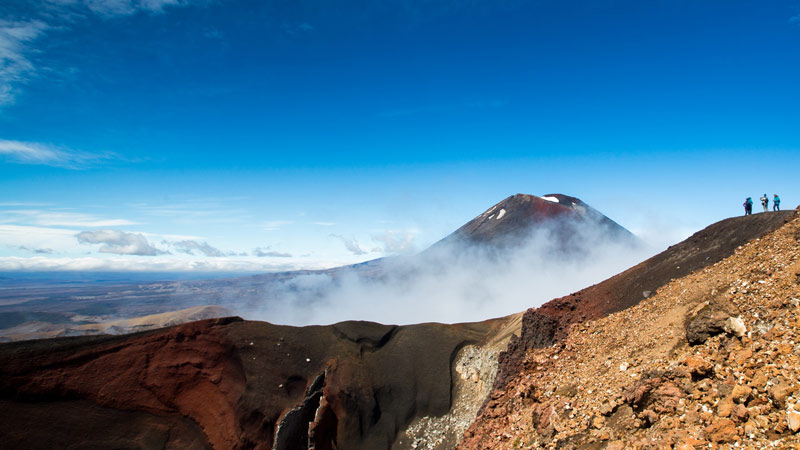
column 541, row 416
column 698, row 366
column 606, row 408
column 740, row 413
column 785, row 349
column 649, row 417
column 741, row 357
column 759, row 380
column 666, row 398
column 690, row 444
column 779, row 392
column 741, row 393
column 722, row 430
column 793, row 420
column 725, row 407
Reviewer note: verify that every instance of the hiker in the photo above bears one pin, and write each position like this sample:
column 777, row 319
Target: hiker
column 776, row 203
column 765, row 202
column 748, row 206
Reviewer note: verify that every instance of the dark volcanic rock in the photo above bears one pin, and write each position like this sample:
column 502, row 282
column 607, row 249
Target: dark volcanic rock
column 83, row 424
column 709, row 321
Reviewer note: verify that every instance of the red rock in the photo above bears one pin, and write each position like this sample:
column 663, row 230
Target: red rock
column 740, row 413
column 722, row 430
column 698, row 366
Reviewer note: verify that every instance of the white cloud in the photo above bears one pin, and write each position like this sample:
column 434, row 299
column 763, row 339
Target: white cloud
column 15, row 44
column 189, row 247
column 153, row 264
column 396, row 242
column 119, row 242
column 60, row 219
column 38, row 251
column 351, row 244
column 444, row 108
column 209, row 210
column 61, row 240
column 262, row 252
column 296, row 30
column 110, row 8
column 17, row 37
column 46, row 154
column 273, row 225
column 22, row 204
column 213, row 33
column 453, row 284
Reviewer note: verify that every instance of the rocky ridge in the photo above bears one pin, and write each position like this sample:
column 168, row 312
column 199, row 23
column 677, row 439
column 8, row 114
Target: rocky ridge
column 710, row 360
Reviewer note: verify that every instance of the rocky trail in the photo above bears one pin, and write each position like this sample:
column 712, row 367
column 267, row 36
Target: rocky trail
column 710, row 360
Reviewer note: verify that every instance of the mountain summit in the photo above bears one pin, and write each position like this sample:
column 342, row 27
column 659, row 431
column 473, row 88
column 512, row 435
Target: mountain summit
column 517, row 216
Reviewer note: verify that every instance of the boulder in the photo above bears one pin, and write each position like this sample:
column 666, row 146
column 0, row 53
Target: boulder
column 722, row 430
column 708, row 321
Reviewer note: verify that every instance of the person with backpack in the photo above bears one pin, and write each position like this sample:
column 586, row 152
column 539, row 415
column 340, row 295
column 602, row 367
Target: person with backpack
column 765, row 202
column 748, row 206
column 776, row 203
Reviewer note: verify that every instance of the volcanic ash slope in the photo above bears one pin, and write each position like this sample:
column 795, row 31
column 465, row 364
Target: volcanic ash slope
column 709, row 361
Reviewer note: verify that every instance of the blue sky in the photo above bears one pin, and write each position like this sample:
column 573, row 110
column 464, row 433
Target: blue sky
column 264, row 135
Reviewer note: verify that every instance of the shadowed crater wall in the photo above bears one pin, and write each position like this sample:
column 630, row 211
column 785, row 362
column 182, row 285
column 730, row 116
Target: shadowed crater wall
column 228, row 383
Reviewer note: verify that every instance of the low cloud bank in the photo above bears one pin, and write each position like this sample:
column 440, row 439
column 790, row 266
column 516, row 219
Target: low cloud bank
column 450, row 283
column 189, row 247
column 119, row 242
column 266, row 252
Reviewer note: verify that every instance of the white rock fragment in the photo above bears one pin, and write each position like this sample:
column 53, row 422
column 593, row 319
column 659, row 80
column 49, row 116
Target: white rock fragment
column 735, row 325
column 623, row 367
column 793, row 420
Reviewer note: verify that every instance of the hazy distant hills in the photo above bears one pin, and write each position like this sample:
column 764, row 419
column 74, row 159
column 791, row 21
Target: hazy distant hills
column 507, row 228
